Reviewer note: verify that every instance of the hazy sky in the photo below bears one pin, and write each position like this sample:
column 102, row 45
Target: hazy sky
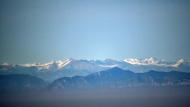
column 44, row 30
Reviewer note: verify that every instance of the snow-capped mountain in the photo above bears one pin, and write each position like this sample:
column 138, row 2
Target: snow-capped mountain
column 53, row 65
column 143, row 65
column 154, row 61
column 72, row 67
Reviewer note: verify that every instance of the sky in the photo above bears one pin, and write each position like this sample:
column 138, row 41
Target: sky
column 44, row 30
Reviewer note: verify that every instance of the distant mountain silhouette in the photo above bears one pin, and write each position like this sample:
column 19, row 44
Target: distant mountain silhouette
column 118, row 78
column 20, row 83
column 111, row 78
column 53, row 70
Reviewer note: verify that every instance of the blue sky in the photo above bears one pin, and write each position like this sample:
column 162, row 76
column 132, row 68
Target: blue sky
column 45, row 30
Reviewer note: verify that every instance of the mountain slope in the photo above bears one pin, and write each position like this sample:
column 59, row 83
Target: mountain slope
column 71, row 67
column 117, row 78
column 20, row 83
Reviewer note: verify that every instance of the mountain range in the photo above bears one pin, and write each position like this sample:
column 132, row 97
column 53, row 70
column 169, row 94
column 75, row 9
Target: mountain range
column 119, row 78
column 111, row 78
column 71, row 67
column 21, row 83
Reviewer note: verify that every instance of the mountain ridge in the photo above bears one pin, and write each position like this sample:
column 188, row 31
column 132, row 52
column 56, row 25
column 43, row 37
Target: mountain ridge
column 119, row 78
column 111, row 78
column 72, row 67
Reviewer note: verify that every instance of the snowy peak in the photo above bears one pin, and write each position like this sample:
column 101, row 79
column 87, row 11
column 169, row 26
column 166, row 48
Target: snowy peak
column 146, row 61
column 74, row 67
column 89, row 66
column 50, row 65
column 154, row 61
column 178, row 63
column 62, row 63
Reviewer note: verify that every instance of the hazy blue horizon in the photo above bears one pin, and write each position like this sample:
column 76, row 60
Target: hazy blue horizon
column 45, row 30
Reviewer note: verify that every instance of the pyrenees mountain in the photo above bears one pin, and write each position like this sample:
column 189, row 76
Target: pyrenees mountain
column 111, row 78
column 72, row 67
column 119, row 78
column 21, row 83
